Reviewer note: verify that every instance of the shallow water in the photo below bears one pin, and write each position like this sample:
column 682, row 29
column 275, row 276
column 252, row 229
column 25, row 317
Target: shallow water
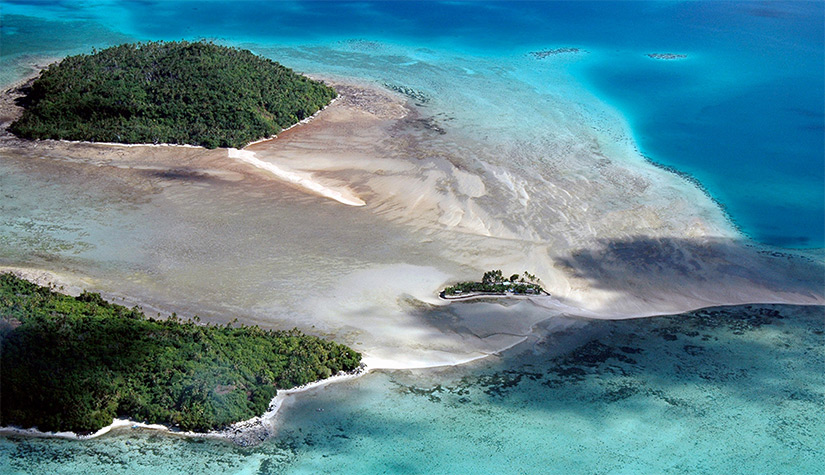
column 733, row 390
column 742, row 113
column 504, row 160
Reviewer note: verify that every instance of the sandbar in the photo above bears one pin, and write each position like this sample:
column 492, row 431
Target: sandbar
column 610, row 235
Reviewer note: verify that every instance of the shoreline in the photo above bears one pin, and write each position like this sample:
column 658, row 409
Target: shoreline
column 253, row 431
column 301, row 180
column 651, row 298
column 303, row 121
column 490, row 295
column 8, row 91
column 243, row 433
column 306, row 120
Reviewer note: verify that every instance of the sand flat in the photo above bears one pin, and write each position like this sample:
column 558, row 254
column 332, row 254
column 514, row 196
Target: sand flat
column 203, row 232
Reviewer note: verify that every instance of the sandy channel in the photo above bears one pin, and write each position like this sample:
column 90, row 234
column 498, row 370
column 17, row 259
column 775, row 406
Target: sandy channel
column 610, row 235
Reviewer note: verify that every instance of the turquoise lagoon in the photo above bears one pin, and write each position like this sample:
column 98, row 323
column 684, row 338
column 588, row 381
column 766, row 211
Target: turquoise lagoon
column 742, row 113
column 734, row 390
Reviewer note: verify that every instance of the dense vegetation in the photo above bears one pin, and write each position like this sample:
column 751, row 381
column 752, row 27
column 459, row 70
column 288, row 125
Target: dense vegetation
column 493, row 282
column 74, row 363
column 174, row 92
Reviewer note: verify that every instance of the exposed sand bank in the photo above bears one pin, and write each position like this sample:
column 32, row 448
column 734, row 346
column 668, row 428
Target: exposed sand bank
column 611, row 236
column 211, row 232
column 302, row 180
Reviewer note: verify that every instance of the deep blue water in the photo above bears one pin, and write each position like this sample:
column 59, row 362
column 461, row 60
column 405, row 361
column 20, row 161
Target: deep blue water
column 734, row 390
column 743, row 113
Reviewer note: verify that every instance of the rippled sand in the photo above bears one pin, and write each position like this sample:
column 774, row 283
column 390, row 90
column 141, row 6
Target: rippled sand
column 208, row 232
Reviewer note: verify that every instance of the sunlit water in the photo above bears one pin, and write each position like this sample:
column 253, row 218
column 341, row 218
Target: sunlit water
column 511, row 161
column 720, row 391
column 742, row 113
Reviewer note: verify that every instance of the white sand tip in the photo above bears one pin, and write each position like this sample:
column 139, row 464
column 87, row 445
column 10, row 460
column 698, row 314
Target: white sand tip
column 301, row 179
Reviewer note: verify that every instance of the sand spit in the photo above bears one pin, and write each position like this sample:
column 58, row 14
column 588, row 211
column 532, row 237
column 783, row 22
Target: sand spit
column 610, row 235
column 302, row 180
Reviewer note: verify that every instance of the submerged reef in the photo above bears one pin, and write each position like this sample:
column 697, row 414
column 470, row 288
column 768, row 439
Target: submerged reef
column 554, row 52
column 414, row 94
column 666, row 56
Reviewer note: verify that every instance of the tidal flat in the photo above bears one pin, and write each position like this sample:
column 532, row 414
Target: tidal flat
column 469, row 154
column 192, row 231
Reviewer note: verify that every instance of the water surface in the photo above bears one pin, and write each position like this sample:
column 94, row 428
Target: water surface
column 736, row 390
column 742, row 113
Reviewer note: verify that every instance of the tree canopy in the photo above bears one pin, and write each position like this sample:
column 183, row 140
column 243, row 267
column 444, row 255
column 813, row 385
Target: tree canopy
column 194, row 93
column 75, row 363
column 493, row 282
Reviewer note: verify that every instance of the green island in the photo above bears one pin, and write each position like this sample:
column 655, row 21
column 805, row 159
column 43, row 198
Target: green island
column 494, row 283
column 195, row 93
column 75, row 363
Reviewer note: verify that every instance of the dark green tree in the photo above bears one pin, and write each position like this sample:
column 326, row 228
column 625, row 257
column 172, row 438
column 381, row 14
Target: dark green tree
column 76, row 363
column 168, row 92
